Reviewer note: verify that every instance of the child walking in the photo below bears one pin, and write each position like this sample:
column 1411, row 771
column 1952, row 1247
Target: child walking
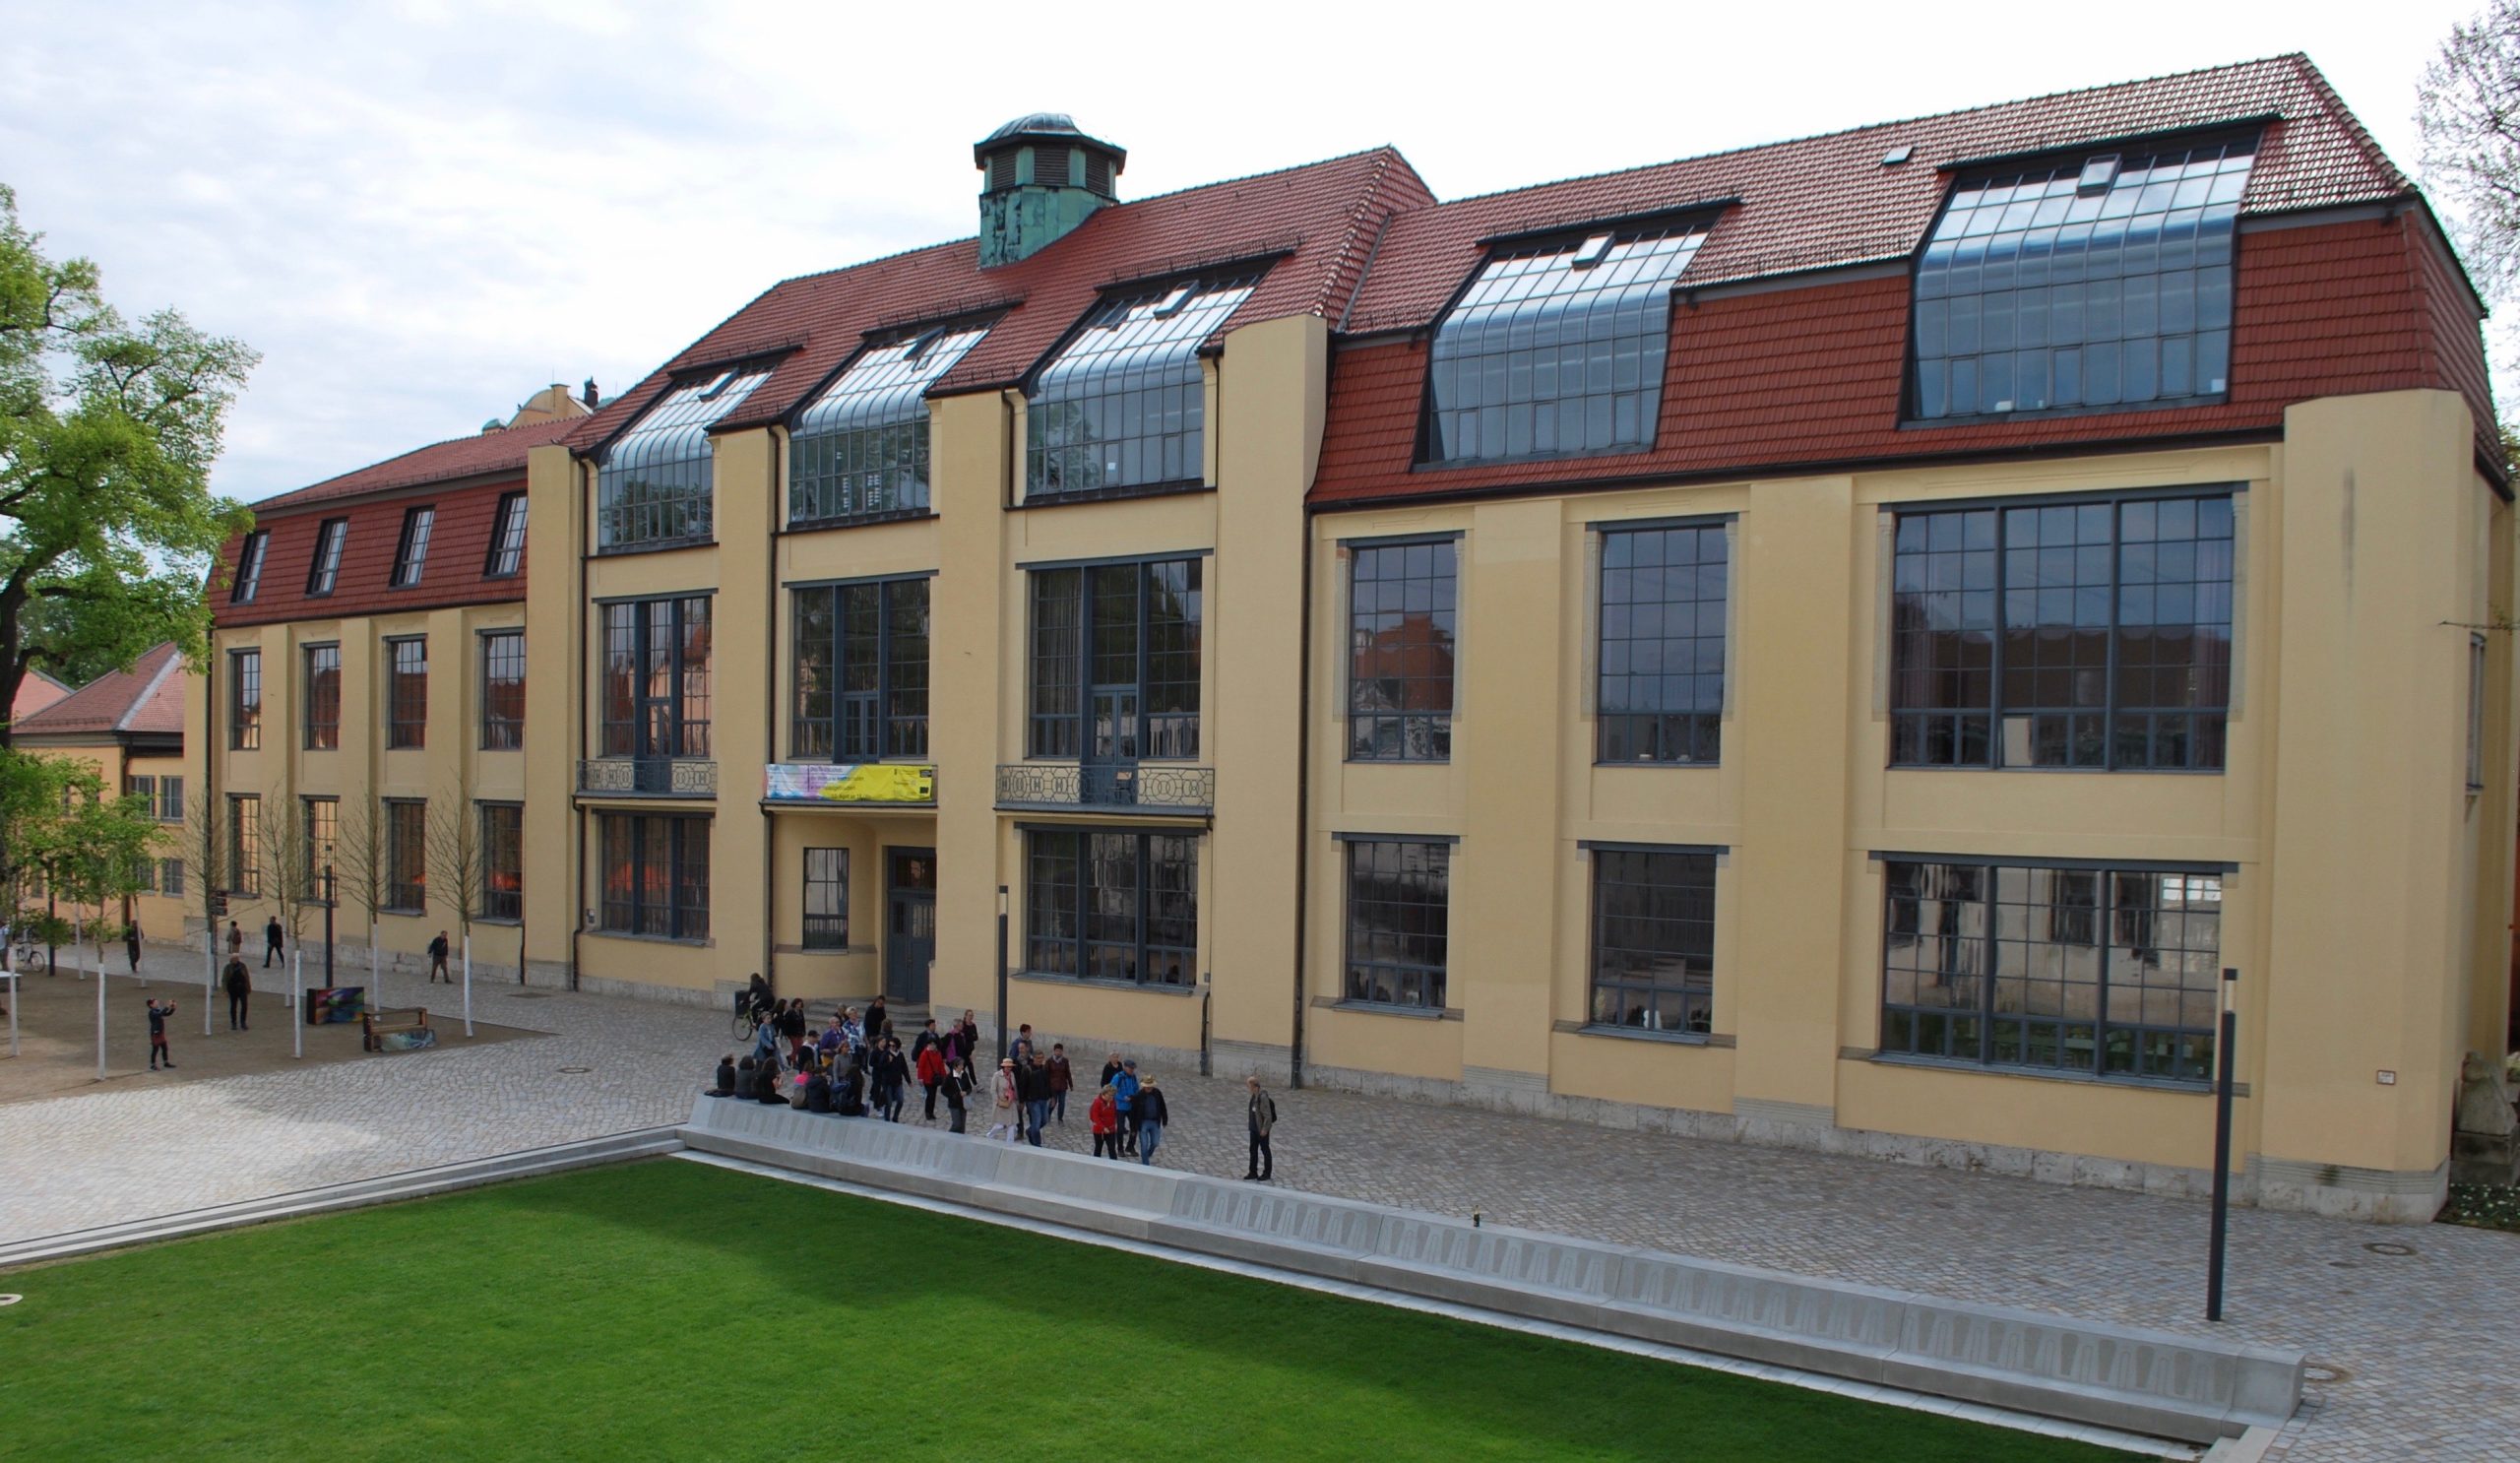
column 159, row 1052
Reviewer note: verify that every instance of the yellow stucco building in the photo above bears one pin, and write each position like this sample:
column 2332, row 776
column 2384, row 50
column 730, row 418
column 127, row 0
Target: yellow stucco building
column 127, row 726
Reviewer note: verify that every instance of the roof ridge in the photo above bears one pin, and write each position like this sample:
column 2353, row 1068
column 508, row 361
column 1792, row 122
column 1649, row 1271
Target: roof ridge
column 562, row 421
column 1909, row 121
column 1345, row 252
column 2372, row 153
column 149, row 692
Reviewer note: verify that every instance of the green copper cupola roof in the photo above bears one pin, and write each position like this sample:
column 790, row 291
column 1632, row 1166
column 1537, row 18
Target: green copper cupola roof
column 1042, row 176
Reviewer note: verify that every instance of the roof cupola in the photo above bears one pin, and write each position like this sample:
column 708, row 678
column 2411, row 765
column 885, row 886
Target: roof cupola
column 1039, row 177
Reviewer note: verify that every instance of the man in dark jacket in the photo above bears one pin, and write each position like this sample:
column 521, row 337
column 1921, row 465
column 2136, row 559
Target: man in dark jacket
column 1032, row 1091
column 818, row 1092
column 954, row 1106
column 272, row 933
column 437, row 958
column 239, row 983
column 1152, row 1115
column 1264, row 1117
column 1062, row 1078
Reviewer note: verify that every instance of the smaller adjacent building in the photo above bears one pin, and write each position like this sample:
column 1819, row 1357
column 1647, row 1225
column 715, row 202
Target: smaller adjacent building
column 128, row 728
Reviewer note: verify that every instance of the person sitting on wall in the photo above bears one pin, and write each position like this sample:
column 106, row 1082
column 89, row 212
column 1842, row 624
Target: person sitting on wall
column 724, row 1085
column 818, row 1092
column 766, row 1085
column 853, row 1091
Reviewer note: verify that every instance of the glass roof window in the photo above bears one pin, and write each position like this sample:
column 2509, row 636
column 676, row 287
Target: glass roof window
column 1557, row 349
column 652, row 485
column 860, row 450
column 1123, row 405
column 2094, row 281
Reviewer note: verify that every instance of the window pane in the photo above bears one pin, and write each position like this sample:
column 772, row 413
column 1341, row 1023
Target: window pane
column 502, row 861
column 1124, row 404
column 1662, row 650
column 1400, row 615
column 1654, row 940
column 1399, row 896
column 826, row 899
column 655, row 481
column 408, row 697
column 860, row 449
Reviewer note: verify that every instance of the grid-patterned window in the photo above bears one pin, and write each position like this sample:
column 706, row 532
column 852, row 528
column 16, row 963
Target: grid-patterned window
column 502, row 690
column 245, row 700
column 406, row 856
column 1399, row 921
column 826, row 899
column 1125, row 404
column 1557, row 348
column 860, row 449
column 1112, row 906
column 2089, row 283
column 170, row 877
column 1116, row 661
column 502, row 861
column 655, row 875
column 249, row 567
column 143, row 787
column 2090, row 633
column 507, row 538
column 652, row 485
column 323, row 698
column 406, row 721
column 244, row 845
column 1401, row 612
column 326, row 571
column 1654, row 940
column 411, row 551
column 861, row 670
column 656, row 677
column 320, row 823
column 1663, row 633
column 2105, row 972
column 171, row 799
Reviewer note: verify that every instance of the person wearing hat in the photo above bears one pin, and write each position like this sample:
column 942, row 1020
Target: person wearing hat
column 1004, row 1102
column 1153, row 1114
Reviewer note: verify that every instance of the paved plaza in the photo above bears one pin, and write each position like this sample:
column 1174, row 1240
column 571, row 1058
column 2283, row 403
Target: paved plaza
column 2418, row 1342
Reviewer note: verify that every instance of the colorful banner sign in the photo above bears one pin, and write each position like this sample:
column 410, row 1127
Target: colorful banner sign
column 852, row 782
column 332, row 1004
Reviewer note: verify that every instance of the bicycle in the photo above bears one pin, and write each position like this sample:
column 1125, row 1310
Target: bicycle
column 747, row 1021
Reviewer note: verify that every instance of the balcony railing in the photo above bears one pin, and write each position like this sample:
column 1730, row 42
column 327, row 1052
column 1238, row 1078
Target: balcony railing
column 1163, row 788
column 648, row 776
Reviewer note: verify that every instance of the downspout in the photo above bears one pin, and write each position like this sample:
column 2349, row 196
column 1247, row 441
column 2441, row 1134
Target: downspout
column 769, row 711
column 1303, row 793
column 122, row 782
column 578, row 668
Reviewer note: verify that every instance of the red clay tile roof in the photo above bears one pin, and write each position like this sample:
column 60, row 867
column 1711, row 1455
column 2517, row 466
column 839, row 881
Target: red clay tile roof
column 459, row 552
column 146, row 700
column 1321, row 219
column 1828, row 201
column 36, row 691
column 440, row 461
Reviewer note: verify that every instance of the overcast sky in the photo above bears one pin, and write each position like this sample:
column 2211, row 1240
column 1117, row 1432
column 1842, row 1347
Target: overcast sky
column 419, row 213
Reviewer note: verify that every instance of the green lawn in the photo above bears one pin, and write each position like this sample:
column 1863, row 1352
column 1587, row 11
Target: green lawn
column 668, row 1310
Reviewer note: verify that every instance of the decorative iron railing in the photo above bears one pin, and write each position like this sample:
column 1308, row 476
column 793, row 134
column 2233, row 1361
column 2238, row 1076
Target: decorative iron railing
column 648, row 776
column 1159, row 787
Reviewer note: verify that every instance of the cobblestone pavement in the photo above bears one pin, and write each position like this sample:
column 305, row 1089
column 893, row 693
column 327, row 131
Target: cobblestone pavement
column 2423, row 1341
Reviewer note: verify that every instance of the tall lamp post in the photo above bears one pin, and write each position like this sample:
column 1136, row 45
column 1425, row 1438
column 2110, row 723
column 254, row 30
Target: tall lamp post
column 329, row 982
column 2226, row 1059
column 1002, row 968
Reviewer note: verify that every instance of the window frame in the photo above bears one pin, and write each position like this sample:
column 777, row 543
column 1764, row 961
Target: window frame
column 411, row 547
column 316, row 732
column 1067, row 929
column 1437, row 722
column 405, row 731
column 248, row 581
column 499, row 732
column 244, row 861
column 899, row 735
column 883, row 426
column 1722, row 527
column 1173, row 728
column 322, row 837
column 693, row 736
column 825, row 931
column 1356, row 986
column 683, row 923
column 506, row 558
column 245, row 699
column 671, row 437
column 1695, row 992
column 323, row 572
column 404, row 894
column 501, row 905
column 1127, row 373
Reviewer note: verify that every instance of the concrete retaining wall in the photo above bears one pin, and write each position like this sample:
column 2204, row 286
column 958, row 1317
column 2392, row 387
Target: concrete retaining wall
column 2088, row 1371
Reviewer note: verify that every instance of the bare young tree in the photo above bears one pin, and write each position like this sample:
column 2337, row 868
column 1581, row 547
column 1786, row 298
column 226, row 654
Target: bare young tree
column 205, row 855
column 360, row 868
column 2468, row 113
column 290, row 869
column 456, row 872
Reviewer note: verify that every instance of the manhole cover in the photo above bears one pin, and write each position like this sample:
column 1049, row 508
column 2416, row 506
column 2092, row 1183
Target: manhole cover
column 2385, row 1246
column 574, row 1072
column 2324, row 1374
column 11, row 1299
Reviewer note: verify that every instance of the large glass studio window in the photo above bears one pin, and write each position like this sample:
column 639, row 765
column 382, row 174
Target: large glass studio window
column 655, row 871
column 654, row 483
column 860, row 450
column 1110, row 904
column 1664, row 591
column 1558, row 346
column 1398, row 922
column 861, row 670
column 656, row 678
column 1115, row 661
column 2094, row 281
column 1403, row 602
column 1124, row 404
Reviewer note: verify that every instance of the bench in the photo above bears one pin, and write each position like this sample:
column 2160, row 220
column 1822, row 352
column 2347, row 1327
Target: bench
column 376, row 1024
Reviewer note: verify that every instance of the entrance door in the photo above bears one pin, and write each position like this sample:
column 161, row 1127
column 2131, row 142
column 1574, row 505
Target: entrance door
column 909, row 922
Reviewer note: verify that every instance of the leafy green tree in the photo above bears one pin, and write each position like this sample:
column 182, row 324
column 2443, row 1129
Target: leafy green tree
column 107, row 432
column 89, row 848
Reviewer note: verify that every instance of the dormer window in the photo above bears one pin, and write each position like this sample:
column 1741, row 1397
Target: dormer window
column 654, row 483
column 328, row 556
column 2081, row 284
column 1125, row 404
column 249, row 567
column 411, row 552
column 860, row 450
column 1556, row 348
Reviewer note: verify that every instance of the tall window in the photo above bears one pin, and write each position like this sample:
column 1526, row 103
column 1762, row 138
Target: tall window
column 861, row 670
column 1401, row 612
column 321, row 819
column 2093, row 282
column 244, row 844
column 860, row 449
column 655, row 875
column 1557, row 348
column 406, row 856
column 407, row 698
column 2107, row 972
column 170, row 877
column 1125, row 404
column 1654, row 940
column 502, row 861
column 2089, row 634
column 1116, row 661
column 1113, row 905
column 323, row 698
column 507, row 538
column 656, row 678
column 164, row 796
column 411, row 552
column 1399, row 921
column 249, row 567
column 826, row 899
column 327, row 569
column 245, row 700
column 2476, row 713
column 1661, row 669
column 502, row 690
column 652, row 485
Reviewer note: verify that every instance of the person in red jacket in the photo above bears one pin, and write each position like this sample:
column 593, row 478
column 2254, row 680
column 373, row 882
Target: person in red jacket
column 931, row 1073
column 1106, row 1117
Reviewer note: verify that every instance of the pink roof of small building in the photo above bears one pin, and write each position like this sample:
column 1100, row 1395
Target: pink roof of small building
column 148, row 700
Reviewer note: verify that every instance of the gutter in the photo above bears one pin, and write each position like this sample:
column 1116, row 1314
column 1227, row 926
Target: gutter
column 1303, row 796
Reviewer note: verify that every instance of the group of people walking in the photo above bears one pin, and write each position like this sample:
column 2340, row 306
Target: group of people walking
column 855, row 1067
